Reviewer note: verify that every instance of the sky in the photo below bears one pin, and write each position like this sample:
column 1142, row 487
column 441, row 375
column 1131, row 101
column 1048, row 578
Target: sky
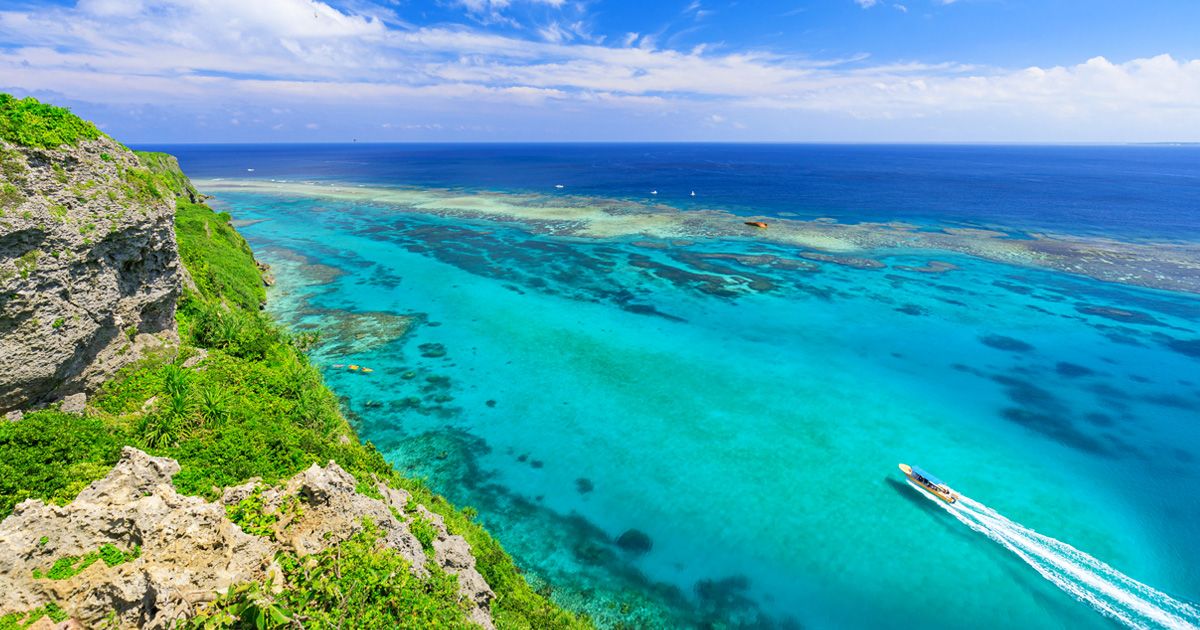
column 1041, row 71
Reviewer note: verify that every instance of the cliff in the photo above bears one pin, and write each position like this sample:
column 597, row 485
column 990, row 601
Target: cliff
column 211, row 479
column 89, row 270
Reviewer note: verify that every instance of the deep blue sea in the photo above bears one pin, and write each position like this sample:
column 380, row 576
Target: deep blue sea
column 705, row 432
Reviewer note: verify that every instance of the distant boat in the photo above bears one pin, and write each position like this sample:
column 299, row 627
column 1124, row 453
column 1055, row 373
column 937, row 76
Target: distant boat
column 250, row 170
column 929, row 483
column 653, row 192
column 693, row 193
column 758, row 224
column 558, row 185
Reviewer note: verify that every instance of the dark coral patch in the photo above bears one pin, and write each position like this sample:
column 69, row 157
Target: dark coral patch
column 1186, row 347
column 584, row 485
column 1008, row 344
column 432, row 350
column 1118, row 314
column 1071, row 370
column 911, row 309
column 635, row 541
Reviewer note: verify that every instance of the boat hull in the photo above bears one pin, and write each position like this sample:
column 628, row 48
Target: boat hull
column 945, row 494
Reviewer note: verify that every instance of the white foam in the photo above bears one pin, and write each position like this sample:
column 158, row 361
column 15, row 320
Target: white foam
column 1082, row 576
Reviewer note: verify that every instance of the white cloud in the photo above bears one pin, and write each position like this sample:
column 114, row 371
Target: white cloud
column 283, row 55
column 867, row 4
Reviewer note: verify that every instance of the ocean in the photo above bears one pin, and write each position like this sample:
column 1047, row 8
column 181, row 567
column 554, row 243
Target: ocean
column 671, row 419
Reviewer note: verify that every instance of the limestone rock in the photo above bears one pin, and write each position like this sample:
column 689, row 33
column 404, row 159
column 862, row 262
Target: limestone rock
column 88, row 264
column 75, row 403
column 189, row 550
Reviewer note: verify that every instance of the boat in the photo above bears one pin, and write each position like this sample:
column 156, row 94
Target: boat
column 558, row 186
column 693, row 193
column 757, row 224
column 929, row 483
column 653, row 192
column 352, row 367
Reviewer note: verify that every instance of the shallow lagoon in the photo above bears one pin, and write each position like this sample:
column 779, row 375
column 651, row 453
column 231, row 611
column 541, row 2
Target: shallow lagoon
column 574, row 389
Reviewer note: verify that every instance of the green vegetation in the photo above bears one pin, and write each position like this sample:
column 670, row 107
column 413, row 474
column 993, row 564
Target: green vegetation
column 218, row 258
column 258, row 409
column 10, row 197
column 256, row 519
column 166, row 168
column 29, row 123
column 355, row 584
column 17, row 621
column 69, row 566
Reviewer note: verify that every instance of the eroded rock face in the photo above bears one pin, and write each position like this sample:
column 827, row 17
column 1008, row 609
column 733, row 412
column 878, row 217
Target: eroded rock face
column 89, row 269
column 190, row 551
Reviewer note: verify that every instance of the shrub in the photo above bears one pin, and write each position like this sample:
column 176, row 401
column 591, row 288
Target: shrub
column 355, row 584
column 29, row 123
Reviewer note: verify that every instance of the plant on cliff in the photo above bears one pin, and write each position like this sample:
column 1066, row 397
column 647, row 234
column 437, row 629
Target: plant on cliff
column 355, row 584
column 29, row 123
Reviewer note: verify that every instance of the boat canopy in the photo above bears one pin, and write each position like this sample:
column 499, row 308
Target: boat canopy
column 927, row 477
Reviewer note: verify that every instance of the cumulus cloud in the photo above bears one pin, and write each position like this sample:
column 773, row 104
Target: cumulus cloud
column 280, row 54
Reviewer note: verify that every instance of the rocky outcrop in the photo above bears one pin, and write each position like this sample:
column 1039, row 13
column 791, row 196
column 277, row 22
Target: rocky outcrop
column 89, row 269
column 334, row 511
column 179, row 552
column 187, row 549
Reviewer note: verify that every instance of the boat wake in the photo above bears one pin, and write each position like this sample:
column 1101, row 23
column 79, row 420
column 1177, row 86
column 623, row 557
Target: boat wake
column 1084, row 577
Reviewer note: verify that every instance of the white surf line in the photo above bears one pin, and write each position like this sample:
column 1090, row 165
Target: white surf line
column 1080, row 575
column 1160, row 599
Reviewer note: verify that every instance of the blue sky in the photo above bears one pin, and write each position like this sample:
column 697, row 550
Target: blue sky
column 569, row 70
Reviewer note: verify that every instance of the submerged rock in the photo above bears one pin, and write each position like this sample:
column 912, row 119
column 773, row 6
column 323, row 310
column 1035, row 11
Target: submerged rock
column 635, row 541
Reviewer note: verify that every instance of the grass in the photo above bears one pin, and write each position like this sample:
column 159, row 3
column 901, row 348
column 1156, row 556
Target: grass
column 28, row 123
column 166, row 168
column 259, row 408
column 218, row 257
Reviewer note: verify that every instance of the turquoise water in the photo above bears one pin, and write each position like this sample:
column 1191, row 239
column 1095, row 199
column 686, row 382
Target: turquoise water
column 575, row 389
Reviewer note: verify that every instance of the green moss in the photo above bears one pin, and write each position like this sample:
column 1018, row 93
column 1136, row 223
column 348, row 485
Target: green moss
column 59, row 211
column 29, row 123
column 10, row 197
column 12, row 165
column 28, row 262
column 58, row 323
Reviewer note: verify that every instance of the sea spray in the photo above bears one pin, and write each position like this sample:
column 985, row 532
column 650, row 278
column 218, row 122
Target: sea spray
column 1082, row 576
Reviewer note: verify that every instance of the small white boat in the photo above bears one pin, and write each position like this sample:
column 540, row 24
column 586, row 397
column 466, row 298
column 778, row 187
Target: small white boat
column 653, row 192
column 693, row 193
column 250, row 170
column 559, row 186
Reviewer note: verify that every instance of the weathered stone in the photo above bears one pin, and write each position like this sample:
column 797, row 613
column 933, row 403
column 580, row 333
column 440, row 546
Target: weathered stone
column 190, row 550
column 75, row 403
column 14, row 415
column 84, row 269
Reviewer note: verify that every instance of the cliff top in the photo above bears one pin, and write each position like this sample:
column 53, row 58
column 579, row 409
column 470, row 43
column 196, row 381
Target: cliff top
column 29, row 123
